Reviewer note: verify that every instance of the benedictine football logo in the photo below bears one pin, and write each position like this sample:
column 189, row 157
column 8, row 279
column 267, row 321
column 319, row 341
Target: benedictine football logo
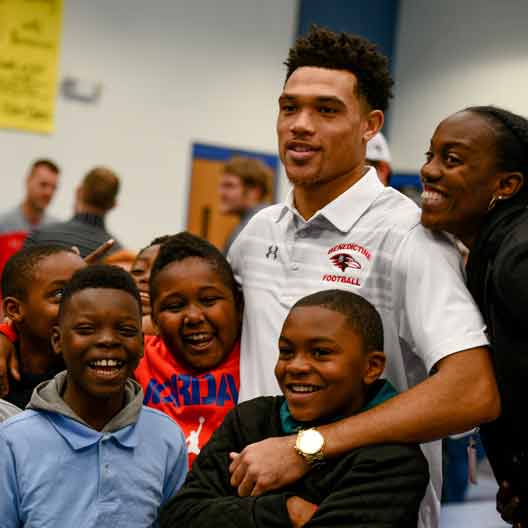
column 344, row 261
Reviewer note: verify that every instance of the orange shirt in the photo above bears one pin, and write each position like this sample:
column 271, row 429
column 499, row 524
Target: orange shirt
column 197, row 402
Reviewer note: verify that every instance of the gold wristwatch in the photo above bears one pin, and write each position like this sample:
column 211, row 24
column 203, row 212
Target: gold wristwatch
column 309, row 445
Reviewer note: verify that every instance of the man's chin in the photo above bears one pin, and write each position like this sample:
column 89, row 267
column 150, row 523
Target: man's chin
column 304, row 180
column 40, row 207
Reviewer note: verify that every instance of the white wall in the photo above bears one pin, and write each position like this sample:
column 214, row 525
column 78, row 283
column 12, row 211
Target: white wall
column 174, row 72
column 449, row 55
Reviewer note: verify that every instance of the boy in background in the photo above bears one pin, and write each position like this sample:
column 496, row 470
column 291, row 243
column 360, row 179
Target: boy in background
column 140, row 270
column 33, row 281
column 330, row 361
column 86, row 450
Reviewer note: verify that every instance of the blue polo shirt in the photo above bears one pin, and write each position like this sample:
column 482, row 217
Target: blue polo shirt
column 56, row 472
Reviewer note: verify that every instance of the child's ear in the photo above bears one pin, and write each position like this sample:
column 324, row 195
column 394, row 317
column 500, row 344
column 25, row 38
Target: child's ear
column 375, row 363
column 56, row 340
column 14, row 309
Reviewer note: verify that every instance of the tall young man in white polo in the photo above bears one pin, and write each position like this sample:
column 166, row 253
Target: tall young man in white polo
column 340, row 227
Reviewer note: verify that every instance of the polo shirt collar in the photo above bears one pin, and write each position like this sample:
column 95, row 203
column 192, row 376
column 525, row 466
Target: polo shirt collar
column 79, row 436
column 90, row 219
column 345, row 210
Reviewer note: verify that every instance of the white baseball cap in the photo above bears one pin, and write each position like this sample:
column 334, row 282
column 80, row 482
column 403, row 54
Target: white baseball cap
column 377, row 149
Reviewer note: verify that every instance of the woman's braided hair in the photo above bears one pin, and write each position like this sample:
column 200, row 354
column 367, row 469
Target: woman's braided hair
column 511, row 138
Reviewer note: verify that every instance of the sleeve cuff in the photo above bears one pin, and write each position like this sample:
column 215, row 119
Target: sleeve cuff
column 271, row 511
column 454, row 345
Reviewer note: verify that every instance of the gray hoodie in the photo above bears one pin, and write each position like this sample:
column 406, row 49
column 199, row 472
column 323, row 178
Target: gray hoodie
column 7, row 409
column 47, row 397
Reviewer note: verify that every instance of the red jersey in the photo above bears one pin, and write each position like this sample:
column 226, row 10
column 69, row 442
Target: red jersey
column 198, row 403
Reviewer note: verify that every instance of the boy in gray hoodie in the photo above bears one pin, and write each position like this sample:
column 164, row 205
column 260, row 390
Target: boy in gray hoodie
column 86, row 452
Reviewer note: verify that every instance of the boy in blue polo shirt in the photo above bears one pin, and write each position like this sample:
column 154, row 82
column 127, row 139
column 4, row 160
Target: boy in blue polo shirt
column 86, row 452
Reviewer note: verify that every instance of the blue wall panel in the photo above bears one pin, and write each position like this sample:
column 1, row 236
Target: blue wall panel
column 373, row 19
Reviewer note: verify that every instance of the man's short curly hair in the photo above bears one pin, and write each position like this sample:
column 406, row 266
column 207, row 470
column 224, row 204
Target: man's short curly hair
column 322, row 48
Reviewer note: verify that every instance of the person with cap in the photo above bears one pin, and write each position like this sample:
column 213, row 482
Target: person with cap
column 379, row 157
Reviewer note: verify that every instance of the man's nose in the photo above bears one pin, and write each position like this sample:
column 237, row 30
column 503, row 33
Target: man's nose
column 303, row 123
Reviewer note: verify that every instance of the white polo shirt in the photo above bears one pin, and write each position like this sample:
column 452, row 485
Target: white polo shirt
column 369, row 241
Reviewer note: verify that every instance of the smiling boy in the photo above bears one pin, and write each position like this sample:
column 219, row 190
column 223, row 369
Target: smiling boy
column 84, row 450
column 330, row 360
column 190, row 368
column 32, row 284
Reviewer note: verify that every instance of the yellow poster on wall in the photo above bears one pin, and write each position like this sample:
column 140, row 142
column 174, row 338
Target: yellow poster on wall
column 29, row 59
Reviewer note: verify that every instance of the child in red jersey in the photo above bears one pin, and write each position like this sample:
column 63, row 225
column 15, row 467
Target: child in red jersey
column 190, row 370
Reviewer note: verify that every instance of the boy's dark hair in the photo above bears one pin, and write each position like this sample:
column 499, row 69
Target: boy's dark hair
column 44, row 162
column 322, row 48
column 99, row 276
column 19, row 270
column 158, row 241
column 361, row 315
column 511, row 133
column 185, row 245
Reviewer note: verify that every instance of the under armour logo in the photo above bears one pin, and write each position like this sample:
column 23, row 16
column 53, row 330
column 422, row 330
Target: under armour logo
column 272, row 252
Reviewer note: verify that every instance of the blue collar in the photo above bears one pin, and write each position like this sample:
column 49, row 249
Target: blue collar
column 383, row 392
column 79, row 436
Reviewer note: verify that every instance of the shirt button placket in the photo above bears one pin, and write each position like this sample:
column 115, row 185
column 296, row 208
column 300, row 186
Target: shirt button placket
column 105, row 466
column 296, row 251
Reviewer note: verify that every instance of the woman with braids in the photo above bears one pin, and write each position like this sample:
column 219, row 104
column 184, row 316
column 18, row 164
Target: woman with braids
column 475, row 181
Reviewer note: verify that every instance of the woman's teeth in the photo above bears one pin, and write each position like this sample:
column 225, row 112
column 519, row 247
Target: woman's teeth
column 432, row 197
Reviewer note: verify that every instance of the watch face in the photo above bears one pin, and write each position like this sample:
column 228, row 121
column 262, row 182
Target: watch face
column 311, row 441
